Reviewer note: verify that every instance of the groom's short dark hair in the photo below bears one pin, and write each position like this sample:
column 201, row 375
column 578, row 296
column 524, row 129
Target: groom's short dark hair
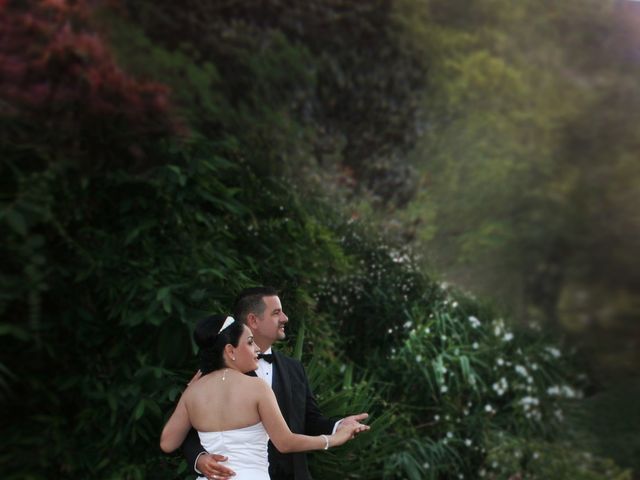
column 249, row 301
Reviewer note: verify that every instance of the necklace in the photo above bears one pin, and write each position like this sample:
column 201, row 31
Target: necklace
column 224, row 374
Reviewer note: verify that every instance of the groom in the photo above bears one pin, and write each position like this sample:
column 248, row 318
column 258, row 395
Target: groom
column 261, row 310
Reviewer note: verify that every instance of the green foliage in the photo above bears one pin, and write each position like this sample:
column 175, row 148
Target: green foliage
column 339, row 392
column 338, row 76
column 374, row 298
column 454, row 366
column 534, row 459
column 247, row 93
column 105, row 277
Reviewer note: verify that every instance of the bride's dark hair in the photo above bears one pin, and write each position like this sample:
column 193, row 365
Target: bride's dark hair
column 212, row 343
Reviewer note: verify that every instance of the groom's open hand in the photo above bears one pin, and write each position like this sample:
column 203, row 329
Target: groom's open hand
column 208, row 464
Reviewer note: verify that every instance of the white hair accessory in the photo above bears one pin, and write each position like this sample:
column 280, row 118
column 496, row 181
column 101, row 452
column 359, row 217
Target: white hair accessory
column 228, row 321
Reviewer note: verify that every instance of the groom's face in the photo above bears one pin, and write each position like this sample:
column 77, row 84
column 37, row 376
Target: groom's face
column 269, row 326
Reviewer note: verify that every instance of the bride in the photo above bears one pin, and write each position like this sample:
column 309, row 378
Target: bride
column 236, row 414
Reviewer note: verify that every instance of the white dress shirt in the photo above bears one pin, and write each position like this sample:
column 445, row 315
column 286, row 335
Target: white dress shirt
column 265, row 369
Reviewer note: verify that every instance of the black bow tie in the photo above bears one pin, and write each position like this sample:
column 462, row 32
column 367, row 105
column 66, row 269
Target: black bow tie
column 267, row 357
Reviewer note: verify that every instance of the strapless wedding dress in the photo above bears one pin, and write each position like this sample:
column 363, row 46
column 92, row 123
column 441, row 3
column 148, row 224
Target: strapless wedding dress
column 246, row 449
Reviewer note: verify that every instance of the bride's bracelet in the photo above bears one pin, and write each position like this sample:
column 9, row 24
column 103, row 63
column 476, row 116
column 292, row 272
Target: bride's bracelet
column 326, row 442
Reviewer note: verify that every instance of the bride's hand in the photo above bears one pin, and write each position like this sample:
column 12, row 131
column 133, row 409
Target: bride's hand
column 195, row 378
column 346, row 433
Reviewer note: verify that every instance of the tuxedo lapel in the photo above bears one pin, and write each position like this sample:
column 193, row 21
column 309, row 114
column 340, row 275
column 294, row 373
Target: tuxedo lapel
column 281, row 386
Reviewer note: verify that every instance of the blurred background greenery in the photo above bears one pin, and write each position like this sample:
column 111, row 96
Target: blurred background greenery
column 446, row 192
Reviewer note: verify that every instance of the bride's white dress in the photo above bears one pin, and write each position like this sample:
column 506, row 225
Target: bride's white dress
column 246, row 449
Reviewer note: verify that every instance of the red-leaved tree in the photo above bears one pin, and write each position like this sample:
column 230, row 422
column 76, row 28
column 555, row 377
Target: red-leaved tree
column 57, row 72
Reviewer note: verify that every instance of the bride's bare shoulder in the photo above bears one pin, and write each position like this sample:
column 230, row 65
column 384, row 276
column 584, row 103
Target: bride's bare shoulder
column 256, row 383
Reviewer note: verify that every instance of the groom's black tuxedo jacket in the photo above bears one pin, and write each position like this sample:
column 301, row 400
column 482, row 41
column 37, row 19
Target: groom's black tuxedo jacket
column 299, row 409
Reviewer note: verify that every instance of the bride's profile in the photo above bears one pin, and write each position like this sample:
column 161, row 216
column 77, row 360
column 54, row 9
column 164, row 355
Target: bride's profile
column 236, row 414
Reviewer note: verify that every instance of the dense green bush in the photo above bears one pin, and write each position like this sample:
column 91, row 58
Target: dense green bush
column 339, row 74
column 105, row 277
column 454, row 368
column 540, row 460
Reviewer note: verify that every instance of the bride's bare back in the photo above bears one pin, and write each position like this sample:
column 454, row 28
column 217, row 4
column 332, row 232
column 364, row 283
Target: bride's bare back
column 216, row 405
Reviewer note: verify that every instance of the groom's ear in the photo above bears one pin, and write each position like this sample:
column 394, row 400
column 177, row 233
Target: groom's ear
column 252, row 320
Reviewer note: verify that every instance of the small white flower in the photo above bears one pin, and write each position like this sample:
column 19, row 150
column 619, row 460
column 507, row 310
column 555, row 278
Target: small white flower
column 568, row 392
column 499, row 361
column 444, row 389
column 454, row 304
column 425, row 465
column 475, row 323
column 488, row 408
column 407, row 324
column 475, row 345
column 449, row 435
column 468, row 442
column 418, row 358
column 521, row 370
column 508, row 337
column 553, row 351
column 500, row 386
column 436, row 417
